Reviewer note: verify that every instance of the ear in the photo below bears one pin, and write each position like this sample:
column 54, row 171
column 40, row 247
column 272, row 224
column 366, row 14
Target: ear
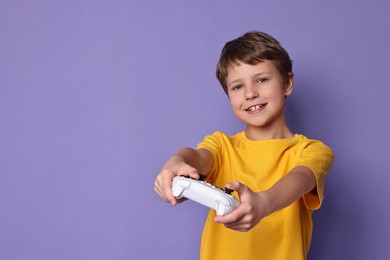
column 288, row 88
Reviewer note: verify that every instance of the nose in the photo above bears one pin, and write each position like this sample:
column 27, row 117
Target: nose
column 251, row 92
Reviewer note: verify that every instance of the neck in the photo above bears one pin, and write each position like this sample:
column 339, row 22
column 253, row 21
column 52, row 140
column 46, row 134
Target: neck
column 265, row 133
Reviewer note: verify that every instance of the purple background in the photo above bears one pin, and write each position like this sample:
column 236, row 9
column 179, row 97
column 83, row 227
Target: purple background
column 96, row 95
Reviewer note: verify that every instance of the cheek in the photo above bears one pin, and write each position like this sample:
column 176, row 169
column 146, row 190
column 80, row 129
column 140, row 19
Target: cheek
column 274, row 94
column 235, row 102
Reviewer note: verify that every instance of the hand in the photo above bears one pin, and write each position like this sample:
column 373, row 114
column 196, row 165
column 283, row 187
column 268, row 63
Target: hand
column 252, row 209
column 163, row 182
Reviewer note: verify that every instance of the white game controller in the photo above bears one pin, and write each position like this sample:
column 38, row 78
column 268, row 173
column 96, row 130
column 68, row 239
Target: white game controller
column 204, row 193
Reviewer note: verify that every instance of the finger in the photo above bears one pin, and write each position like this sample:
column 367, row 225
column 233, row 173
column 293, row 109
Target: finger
column 190, row 171
column 242, row 224
column 233, row 217
column 163, row 186
column 157, row 188
column 243, row 191
column 236, row 186
column 166, row 188
column 239, row 227
column 181, row 200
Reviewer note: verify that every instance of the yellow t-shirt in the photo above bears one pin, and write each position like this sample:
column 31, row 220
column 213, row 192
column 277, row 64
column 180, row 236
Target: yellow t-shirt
column 285, row 234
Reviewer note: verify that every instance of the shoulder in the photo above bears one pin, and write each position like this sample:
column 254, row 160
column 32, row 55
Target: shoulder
column 312, row 144
column 219, row 141
column 315, row 154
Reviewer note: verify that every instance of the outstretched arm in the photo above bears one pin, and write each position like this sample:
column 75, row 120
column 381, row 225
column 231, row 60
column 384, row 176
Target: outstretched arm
column 255, row 206
column 187, row 161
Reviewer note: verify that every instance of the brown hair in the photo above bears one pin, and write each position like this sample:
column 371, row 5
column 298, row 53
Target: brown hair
column 252, row 48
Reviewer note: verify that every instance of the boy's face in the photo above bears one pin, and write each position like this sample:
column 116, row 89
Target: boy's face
column 257, row 94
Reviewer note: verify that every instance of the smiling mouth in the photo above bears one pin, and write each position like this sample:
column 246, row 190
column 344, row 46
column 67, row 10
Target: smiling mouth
column 255, row 108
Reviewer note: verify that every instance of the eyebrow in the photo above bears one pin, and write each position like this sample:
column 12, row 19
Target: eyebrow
column 254, row 76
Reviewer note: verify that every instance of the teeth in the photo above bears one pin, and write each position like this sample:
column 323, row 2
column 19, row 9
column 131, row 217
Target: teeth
column 254, row 108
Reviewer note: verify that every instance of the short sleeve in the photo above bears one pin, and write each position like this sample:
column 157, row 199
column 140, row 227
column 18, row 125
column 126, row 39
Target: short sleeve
column 213, row 143
column 319, row 158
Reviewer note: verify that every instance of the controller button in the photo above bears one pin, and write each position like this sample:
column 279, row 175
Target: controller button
column 202, row 177
column 228, row 191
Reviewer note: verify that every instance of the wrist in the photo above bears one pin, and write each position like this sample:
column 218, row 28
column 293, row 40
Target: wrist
column 266, row 200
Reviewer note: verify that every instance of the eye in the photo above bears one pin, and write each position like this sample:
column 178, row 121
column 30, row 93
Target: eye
column 236, row 87
column 261, row 80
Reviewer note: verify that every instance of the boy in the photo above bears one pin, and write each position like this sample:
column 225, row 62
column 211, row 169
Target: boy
column 278, row 176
